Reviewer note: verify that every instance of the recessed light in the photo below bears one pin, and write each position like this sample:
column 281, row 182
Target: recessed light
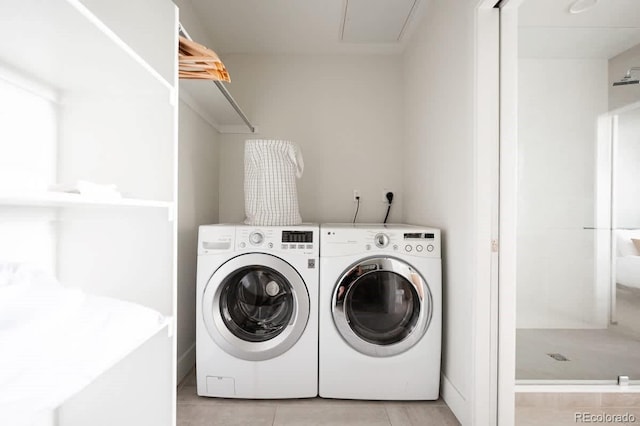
column 580, row 6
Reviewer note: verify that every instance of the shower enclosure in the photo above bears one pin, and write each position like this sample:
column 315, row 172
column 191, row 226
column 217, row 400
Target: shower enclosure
column 578, row 202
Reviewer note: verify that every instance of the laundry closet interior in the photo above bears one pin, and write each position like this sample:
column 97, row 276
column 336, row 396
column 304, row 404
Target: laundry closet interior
column 355, row 108
column 378, row 98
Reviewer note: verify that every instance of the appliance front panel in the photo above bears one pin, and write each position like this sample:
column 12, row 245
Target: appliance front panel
column 255, row 306
column 381, row 306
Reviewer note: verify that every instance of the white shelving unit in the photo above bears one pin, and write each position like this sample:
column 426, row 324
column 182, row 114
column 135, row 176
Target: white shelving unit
column 112, row 73
column 62, row 199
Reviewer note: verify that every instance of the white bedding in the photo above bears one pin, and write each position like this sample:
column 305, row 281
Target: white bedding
column 54, row 341
column 627, row 258
column 628, row 271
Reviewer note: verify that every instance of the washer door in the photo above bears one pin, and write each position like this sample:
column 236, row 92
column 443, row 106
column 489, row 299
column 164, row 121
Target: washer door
column 255, row 306
column 381, row 306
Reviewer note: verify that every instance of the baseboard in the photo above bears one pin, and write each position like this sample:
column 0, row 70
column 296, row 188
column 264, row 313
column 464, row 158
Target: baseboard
column 455, row 400
column 186, row 362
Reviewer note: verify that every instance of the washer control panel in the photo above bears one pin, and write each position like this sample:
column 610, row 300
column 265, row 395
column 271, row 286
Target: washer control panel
column 277, row 239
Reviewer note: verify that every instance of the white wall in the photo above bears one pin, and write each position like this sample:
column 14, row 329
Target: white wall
column 345, row 112
column 627, row 166
column 559, row 101
column 438, row 178
column 198, row 181
column 620, row 96
column 198, row 168
column 627, row 171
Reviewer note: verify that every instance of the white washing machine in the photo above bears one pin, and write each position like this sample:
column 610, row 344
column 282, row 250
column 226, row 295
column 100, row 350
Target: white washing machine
column 380, row 312
column 257, row 311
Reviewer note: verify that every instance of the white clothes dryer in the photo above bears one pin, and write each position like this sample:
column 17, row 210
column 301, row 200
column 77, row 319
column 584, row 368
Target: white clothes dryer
column 380, row 312
column 256, row 311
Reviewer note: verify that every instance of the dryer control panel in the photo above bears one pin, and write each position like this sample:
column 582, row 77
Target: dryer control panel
column 340, row 239
column 419, row 242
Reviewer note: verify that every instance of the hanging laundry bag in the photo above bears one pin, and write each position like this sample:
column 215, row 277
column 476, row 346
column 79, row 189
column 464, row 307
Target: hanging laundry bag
column 270, row 171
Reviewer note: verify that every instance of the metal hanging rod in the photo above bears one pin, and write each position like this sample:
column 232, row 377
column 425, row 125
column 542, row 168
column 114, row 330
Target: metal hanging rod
column 223, row 89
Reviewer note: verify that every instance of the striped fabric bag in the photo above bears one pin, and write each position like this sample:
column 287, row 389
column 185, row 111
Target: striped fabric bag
column 270, row 171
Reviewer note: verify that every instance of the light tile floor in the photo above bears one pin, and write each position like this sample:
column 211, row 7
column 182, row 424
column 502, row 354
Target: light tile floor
column 564, row 409
column 193, row 410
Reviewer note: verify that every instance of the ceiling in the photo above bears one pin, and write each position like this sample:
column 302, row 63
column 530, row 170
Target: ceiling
column 547, row 29
column 308, row 26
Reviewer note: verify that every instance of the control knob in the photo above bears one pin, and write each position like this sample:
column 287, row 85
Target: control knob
column 256, row 238
column 381, row 240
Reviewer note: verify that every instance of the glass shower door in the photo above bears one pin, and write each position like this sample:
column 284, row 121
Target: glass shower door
column 578, row 310
column 625, row 234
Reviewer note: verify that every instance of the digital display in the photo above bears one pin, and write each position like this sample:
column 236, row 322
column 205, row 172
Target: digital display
column 419, row 236
column 297, row 236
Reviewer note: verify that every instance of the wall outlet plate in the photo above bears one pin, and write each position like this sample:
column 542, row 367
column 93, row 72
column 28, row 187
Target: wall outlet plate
column 356, row 194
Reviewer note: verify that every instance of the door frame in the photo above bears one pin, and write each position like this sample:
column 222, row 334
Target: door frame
column 486, row 396
column 508, row 209
column 496, row 211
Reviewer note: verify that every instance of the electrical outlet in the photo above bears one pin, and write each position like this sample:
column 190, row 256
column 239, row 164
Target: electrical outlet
column 356, row 195
column 383, row 196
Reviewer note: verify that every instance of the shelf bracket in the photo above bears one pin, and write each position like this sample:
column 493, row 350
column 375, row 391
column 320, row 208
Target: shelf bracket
column 224, row 90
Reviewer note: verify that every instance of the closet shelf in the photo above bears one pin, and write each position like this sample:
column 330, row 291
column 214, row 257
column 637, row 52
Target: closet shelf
column 61, row 44
column 213, row 102
column 58, row 354
column 63, row 199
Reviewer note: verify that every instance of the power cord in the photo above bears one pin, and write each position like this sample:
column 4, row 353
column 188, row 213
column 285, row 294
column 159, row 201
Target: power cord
column 357, row 208
column 389, row 196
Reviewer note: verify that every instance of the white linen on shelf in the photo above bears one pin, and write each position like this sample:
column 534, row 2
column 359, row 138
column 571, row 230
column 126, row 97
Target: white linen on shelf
column 54, row 341
column 90, row 189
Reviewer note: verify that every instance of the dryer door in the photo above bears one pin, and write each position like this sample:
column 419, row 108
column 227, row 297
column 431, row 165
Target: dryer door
column 255, row 306
column 382, row 306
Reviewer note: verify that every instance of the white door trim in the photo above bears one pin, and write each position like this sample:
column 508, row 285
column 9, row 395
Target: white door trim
column 508, row 210
column 484, row 398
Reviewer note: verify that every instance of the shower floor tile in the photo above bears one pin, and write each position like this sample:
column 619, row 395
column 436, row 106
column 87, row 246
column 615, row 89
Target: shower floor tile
column 592, row 354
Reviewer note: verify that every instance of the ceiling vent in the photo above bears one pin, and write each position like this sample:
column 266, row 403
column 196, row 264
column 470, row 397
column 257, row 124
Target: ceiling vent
column 376, row 21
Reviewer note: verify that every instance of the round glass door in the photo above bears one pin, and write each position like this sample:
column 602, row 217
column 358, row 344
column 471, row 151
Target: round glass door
column 255, row 306
column 256, row 303
column 381, row 306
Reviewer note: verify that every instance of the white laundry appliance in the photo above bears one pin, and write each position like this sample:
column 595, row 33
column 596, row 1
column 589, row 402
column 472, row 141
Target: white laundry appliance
column 257, row 311
column 380, row 312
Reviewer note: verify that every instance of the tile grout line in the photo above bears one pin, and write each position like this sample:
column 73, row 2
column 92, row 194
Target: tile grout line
column 275, row 413
column 386, row 412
